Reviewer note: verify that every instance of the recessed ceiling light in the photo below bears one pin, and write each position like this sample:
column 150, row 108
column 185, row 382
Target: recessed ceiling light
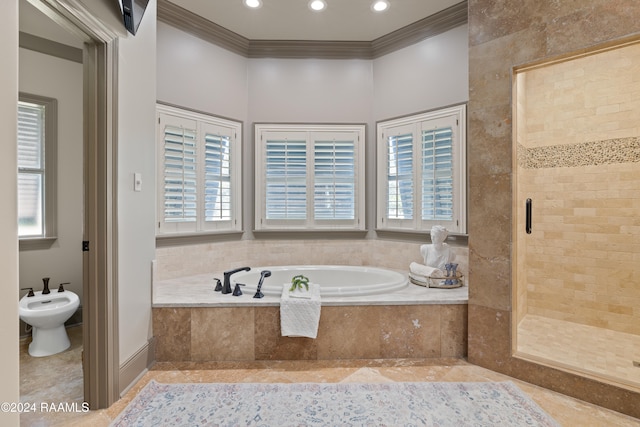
column 317, row 5
column 253, row 4
column 380, row 5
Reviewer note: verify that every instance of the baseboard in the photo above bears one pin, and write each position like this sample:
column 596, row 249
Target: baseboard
column 136, row 366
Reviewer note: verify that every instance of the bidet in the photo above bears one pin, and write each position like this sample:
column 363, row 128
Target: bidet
column 46, row 313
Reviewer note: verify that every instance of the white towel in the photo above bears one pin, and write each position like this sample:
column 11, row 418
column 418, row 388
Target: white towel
column 423, row 270
column 419, row 280
column 299, row 315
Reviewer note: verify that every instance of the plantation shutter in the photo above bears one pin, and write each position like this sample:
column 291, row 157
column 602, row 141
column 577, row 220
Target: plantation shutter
column 334, row 179
column 217, row 180
column 199, row 173
column 286, row 177
column 31, row 169
column 437, row 174
column 425, row 183
column 400, row 176
column 180, row 174
column 309, row 177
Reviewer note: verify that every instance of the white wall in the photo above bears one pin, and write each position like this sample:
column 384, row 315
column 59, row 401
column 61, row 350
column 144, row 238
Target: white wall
column 198, row 75
column 57, row 78
column 427, row 75
column 9, row 361
column 136, row 210
column 310, row 90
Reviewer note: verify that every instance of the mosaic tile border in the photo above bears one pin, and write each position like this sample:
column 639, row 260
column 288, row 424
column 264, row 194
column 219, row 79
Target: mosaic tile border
column 610, row 151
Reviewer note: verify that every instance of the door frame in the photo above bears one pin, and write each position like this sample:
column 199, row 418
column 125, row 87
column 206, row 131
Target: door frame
column 100, row 311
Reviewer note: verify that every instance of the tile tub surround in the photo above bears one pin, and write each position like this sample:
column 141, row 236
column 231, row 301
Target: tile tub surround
column 503, row 34
column 194, row 323
column 182, row 261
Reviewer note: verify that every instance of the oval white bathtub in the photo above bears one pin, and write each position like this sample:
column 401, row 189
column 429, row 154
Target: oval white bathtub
column 334, row 280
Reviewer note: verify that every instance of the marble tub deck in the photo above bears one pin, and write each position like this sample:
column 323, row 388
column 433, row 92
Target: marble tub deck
column 198, row 291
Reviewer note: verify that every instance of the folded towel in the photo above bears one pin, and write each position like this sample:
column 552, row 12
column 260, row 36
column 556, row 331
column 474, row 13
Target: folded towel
column 418, row 280
column 302, row 293
column 423, row 270
column 299, row 315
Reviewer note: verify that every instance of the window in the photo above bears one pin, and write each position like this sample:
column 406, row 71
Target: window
column 199, row 172
column 37, row 158
column 309, row 177
column 421, row 171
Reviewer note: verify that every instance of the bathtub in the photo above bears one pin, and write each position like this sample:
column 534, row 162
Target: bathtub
column 340, row 285
column 334, row 280
column 395, row 319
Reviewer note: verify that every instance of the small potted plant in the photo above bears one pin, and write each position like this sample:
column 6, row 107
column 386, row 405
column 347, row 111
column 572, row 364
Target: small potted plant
column 298, row 282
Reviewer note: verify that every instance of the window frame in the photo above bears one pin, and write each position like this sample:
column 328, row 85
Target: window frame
column 414, row 124
column 49, row 207
column 201, row 121
column 309, row 223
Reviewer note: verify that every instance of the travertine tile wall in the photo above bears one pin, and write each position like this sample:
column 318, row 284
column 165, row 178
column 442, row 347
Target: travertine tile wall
column 207, row 334
column 178, row 261
column 583, row 256
column 579, row 161
column 504, row 34
column 588, row 98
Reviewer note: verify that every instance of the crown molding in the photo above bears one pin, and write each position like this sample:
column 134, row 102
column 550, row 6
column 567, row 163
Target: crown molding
column 309, row 49
column 204, row 29
column 211, row 32
column 430, row 26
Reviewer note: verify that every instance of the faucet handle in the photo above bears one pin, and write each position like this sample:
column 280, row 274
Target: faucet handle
column 61, row 286
column 30, row 294
column 218, row 284
column 236, row 291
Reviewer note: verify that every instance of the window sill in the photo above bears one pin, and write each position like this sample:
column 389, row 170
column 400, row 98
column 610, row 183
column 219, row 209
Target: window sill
column 180, row 239
column 421, row 236
column 36, row 243
column 309, row 234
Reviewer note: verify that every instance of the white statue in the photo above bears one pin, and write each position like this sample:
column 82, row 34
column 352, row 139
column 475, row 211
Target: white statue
column 438, row 253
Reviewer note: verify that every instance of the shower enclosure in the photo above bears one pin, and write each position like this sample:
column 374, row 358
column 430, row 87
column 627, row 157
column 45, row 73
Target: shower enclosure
column 577, row 213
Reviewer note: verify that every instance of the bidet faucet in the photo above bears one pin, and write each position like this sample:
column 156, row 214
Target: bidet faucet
column 226, row 287
column 45, row 289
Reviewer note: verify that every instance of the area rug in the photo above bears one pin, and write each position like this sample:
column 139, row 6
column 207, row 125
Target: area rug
column 341, row 404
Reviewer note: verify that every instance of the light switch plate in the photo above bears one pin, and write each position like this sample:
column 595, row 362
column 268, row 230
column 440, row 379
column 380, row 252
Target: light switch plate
column 137, row 181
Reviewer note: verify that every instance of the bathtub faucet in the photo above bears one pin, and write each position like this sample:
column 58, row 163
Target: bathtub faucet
column 226, row 287
column 263, row 274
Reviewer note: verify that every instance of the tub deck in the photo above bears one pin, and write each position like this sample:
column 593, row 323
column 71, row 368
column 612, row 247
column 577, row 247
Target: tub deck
column 197, row 291
column 193, row 323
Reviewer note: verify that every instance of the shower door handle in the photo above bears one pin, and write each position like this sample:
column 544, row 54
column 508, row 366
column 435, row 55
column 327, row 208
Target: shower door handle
column 527, row 225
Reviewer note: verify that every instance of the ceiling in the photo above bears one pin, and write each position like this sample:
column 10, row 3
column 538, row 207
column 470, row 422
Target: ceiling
column 342, row 20
column 286, row 28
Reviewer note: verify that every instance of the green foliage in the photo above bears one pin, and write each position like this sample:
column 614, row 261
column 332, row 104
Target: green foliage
column 298, row 282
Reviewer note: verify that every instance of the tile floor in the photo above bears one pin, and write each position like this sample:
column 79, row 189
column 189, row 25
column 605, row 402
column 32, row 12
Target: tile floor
column 587, row 349
column 64, row 383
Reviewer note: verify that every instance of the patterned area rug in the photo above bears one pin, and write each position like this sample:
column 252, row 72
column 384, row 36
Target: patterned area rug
column 341, row 404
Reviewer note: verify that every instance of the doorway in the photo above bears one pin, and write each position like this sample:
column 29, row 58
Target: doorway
column 99, row 317
column 51, row 75
column 577, row 214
